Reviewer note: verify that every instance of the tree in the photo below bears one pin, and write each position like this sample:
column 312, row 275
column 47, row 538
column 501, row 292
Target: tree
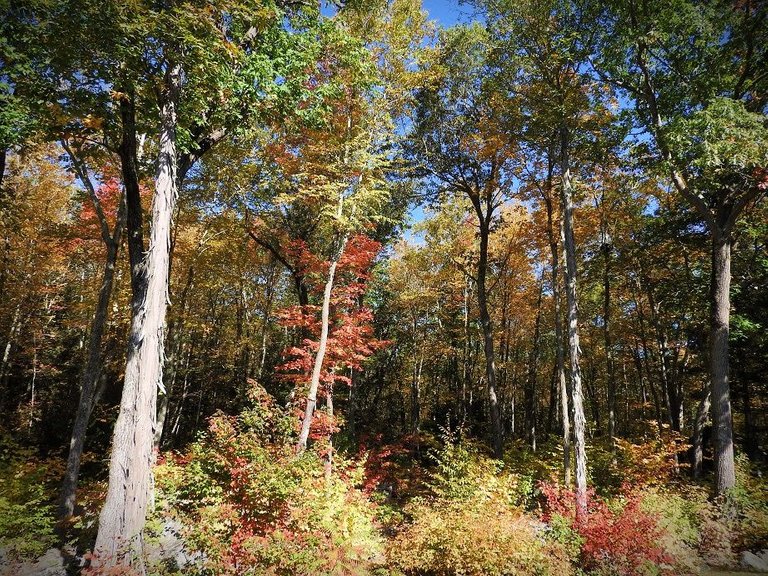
column 461, row 141
column 703, row 104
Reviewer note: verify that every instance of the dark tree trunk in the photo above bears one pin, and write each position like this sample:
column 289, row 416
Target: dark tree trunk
column 698, row 434
column 533, row 367
column 128, row 152
column 93, row 364
column 487, row 326
column 608, row 340
column 176, row 339
column 89, row 380
column 725, row 475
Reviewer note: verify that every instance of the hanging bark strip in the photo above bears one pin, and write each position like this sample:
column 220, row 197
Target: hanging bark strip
column 119, row 541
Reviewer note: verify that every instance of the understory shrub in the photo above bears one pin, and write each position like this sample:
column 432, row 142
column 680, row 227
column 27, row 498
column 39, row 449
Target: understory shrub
column 252, row 506
column 617, row 537
column 26, row 511
column 471, row 524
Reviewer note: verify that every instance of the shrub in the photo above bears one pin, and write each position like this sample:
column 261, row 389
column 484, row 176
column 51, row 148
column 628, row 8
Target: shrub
column 252, row 506
column 471, row 523
column 678, row 518
column 617, row 536
column 26, row 511
column 477, row 537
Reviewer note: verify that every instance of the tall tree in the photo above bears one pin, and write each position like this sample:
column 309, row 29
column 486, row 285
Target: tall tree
column 697, row 75
column 461, row 138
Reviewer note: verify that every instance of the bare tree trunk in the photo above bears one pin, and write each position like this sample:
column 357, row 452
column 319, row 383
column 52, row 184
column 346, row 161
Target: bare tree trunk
column 556, row 239
column 725, row 474
column 608, row 340
column 533, row 367
column 328, row 464
column 5, row 361
column 579, row 420
column 314, row 383
column 119, row 541
column 418, row 364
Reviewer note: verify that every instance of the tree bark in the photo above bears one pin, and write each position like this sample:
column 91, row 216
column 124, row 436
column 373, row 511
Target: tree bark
column 725, row 474
column 175, row 335
column 698, row 434
column 128, row 152
column 93, row 365
column 314, row 383
column 119, row 541
column 556, row 239
column 487, row 326
column 579, row 420
column 608, row 340
column 533, row 367
column 90, row 375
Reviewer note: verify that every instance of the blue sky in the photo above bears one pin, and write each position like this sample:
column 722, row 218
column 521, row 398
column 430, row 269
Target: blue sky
column 448, row 12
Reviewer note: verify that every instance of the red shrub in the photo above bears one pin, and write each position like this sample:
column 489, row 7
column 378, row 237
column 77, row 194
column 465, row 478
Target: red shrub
column 622, row 538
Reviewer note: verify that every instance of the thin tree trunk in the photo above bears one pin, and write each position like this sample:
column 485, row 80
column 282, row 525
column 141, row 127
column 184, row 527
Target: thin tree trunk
column 579, row 420
column 88, row 382
column 725, row 475
column 328, row 465
column 418, row 364
column 533, row 367
column 698, row 433
column 314, row 383
column 5, row 362
column 175, row 335
column 608, row 340
column 556, row 239
column 119, row 541
column 93, row 365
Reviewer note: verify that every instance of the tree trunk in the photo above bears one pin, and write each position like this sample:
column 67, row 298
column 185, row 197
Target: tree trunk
column 725, row 475
column 418, row 364
column 88, row 381
column 698, row 434
column 608, row 340
column 314, row 383
column 485, row 321
column 119, row 541
column 579, row 421
column 128, row 152
column 533, row 367
column 175, row 335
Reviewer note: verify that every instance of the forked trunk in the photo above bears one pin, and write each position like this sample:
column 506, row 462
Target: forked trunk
column 119, row 542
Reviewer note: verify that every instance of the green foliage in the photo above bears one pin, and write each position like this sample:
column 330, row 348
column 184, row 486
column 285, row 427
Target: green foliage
column 472, row 523
column 255, row 507
column 26, row 512
column 721, row 141
column 748, row 501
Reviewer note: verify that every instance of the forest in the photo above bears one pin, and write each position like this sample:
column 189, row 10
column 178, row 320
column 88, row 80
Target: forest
column 383, row 287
